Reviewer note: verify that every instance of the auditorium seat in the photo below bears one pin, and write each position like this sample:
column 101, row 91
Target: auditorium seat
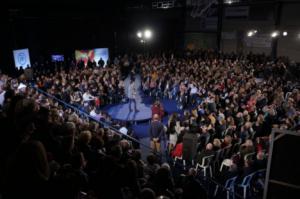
column 229, row 187
column 206, row 164
column 246, row 184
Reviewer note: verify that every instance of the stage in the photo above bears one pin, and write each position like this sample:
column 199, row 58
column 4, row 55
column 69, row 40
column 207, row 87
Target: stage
column 121, row 112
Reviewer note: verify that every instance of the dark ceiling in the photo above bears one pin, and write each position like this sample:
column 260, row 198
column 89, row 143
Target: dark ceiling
column 61, row 26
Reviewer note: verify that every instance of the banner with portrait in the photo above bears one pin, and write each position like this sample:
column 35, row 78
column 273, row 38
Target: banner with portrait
column 92, row 55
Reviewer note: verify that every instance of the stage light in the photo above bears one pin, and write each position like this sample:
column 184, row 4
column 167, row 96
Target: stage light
column 285, row 33
column 274, row 34
column 229, row 2
column 142, row 41
column 139, row 34
column 147, row 34
column 250, row 34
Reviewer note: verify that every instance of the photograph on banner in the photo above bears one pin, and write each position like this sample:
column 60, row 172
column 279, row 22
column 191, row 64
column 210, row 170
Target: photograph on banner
column 84, row 55
column 92, row 55
column 22, row 58
column 101, row 53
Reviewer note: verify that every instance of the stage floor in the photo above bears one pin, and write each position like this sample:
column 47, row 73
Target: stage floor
column 121, row 112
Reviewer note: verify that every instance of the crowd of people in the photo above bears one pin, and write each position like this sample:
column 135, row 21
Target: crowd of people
column 230, row 104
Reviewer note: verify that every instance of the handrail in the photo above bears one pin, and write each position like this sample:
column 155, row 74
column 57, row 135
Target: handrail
column 99, row 121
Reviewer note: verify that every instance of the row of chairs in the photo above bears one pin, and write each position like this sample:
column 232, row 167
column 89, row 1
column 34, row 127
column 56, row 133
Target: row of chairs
column 245, row 185
column 207, row 164
column 209, row 161
column 230, row 184
column 213, row 163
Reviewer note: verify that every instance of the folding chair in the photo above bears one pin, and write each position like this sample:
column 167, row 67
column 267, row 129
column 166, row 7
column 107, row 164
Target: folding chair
column 229, row 186
column 246, row 183
column 225, row 162
column 206, row 164
column 216, row 161
column 179, row 158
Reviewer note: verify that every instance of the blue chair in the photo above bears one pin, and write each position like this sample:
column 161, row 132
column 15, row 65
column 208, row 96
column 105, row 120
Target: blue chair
column 261, row 173
column 229, row 186
column 259, row 178
column 246, row 183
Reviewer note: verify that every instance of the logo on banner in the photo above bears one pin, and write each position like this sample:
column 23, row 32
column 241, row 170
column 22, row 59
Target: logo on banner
column 22, row 58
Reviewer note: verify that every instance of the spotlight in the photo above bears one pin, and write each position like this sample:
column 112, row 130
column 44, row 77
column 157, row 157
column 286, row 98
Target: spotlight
column 285, row 33
column 148, row 34
column 250, row 34
column 142, row 41
column 229, row 2
column 139, row 34
column 274, row 34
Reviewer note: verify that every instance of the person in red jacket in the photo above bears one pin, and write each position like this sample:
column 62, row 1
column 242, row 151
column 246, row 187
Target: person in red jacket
column 158, row 109
column 177, row 151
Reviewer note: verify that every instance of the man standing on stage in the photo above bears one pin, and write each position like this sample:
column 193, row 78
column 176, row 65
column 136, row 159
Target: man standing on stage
column 132, row 95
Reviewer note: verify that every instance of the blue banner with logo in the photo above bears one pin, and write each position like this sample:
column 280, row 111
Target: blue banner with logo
column 22, row 58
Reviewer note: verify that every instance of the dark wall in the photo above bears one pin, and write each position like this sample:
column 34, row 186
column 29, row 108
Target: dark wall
column 60, row 29
column 5, row 44
column 48, row 28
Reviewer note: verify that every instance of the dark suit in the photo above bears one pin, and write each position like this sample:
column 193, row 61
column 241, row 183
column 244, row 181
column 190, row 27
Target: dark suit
column 189, row 146
column 156, row 130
